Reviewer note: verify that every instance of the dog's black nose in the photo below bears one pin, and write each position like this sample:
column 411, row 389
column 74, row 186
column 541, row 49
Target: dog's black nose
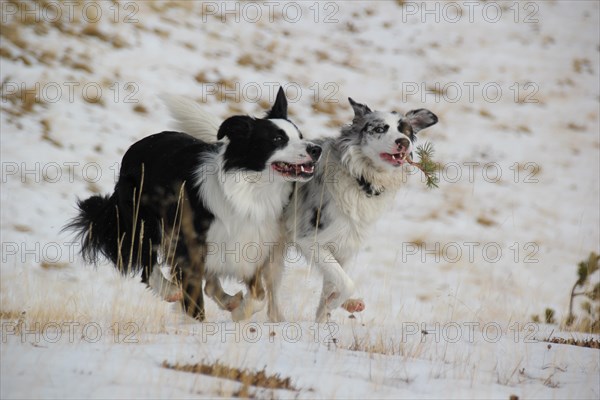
column 403, row 142
column 313, row 151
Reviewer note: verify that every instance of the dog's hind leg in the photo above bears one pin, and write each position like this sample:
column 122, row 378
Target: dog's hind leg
column 273, row 273
column 164, row 287
column 191, row 282
column 192, row 266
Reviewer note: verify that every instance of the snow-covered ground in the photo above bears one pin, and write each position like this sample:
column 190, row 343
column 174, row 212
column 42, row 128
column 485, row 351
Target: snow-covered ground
column 517, row 92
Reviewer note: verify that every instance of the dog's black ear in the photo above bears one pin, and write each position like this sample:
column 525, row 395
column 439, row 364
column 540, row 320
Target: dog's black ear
column 279, row 109
column 421, row 119
column 238, row 126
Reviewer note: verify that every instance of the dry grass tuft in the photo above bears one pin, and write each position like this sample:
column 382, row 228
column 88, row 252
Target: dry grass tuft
column 46, row 128
column 335, row 123
column 576, row 127
column 582, row 64
column 5, row 53
column 10, row 315
column 523, row 129
column 23, row 100
column 485, row 221
column 387, row 346
column 259, row 64
column 41, row 295
column 328, row 108
column 589, row 342
column 486, row 114
column 322, row 55
column 94, row 31
column 245, row 376
column 201, row 77
column 140, row 109
column 53, row 265
column 12, row 33
column 22, row 228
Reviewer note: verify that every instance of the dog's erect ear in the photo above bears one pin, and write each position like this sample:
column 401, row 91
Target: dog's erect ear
column 421, row 119
column 279, row 109
column 360, row 110
column 238, row 126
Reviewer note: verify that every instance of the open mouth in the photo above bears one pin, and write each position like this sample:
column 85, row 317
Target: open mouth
column 288, row 170
column 396, row 159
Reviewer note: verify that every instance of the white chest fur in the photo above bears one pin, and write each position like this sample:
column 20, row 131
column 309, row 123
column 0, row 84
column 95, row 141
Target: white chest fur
column 247, row 210
column 348, row 212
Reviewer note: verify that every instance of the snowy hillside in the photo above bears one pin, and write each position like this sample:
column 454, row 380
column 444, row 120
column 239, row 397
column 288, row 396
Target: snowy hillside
column 451, row 277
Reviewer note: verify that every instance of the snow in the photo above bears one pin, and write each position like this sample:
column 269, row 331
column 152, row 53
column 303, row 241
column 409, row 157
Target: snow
column 542, row 213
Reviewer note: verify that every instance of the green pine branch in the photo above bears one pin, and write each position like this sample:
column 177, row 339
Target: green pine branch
column 426, row 164
column 585, row 269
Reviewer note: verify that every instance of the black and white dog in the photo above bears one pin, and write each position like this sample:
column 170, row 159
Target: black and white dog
column 196, row 205
column 329, row 217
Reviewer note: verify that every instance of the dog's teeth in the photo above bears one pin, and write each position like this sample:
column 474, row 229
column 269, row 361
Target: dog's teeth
column 302, row 168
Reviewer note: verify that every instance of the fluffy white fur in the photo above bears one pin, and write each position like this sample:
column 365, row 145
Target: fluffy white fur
column 191, row 118
column 247, row 210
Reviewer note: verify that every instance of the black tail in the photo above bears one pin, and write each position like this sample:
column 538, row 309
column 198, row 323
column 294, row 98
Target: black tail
column 106, row 229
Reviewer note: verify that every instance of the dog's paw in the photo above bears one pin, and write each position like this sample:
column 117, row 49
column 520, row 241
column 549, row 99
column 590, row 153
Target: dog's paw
column 247, row 308
column 233, row 302
column 240, row 313
column 353, row 305
column 173, row 296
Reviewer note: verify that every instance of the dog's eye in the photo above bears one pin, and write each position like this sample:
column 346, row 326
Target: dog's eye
column 381, row 129
column 278, row 139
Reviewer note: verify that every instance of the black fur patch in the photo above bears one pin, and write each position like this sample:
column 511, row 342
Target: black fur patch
column 406, row 128
column 157, row 166
column 367, row 187
column 251, row 151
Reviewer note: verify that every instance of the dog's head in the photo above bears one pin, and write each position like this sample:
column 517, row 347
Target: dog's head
column 386, row 138
column 272, row 142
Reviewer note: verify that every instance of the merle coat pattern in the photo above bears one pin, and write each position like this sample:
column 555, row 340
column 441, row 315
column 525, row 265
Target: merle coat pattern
column 356, row 181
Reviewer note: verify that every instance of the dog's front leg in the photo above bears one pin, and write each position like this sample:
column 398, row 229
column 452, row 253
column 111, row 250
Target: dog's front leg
column 225, row 301
column 337, row 285
column 254, row 301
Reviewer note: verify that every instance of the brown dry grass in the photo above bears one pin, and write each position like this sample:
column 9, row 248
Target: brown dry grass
column 249, row 60
column 245, row 376
column 140, row 109
column 23, row 100
column 48, row 294
column 485, row 221
column 328, row 108
column 590, row 342
column 387, row 346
